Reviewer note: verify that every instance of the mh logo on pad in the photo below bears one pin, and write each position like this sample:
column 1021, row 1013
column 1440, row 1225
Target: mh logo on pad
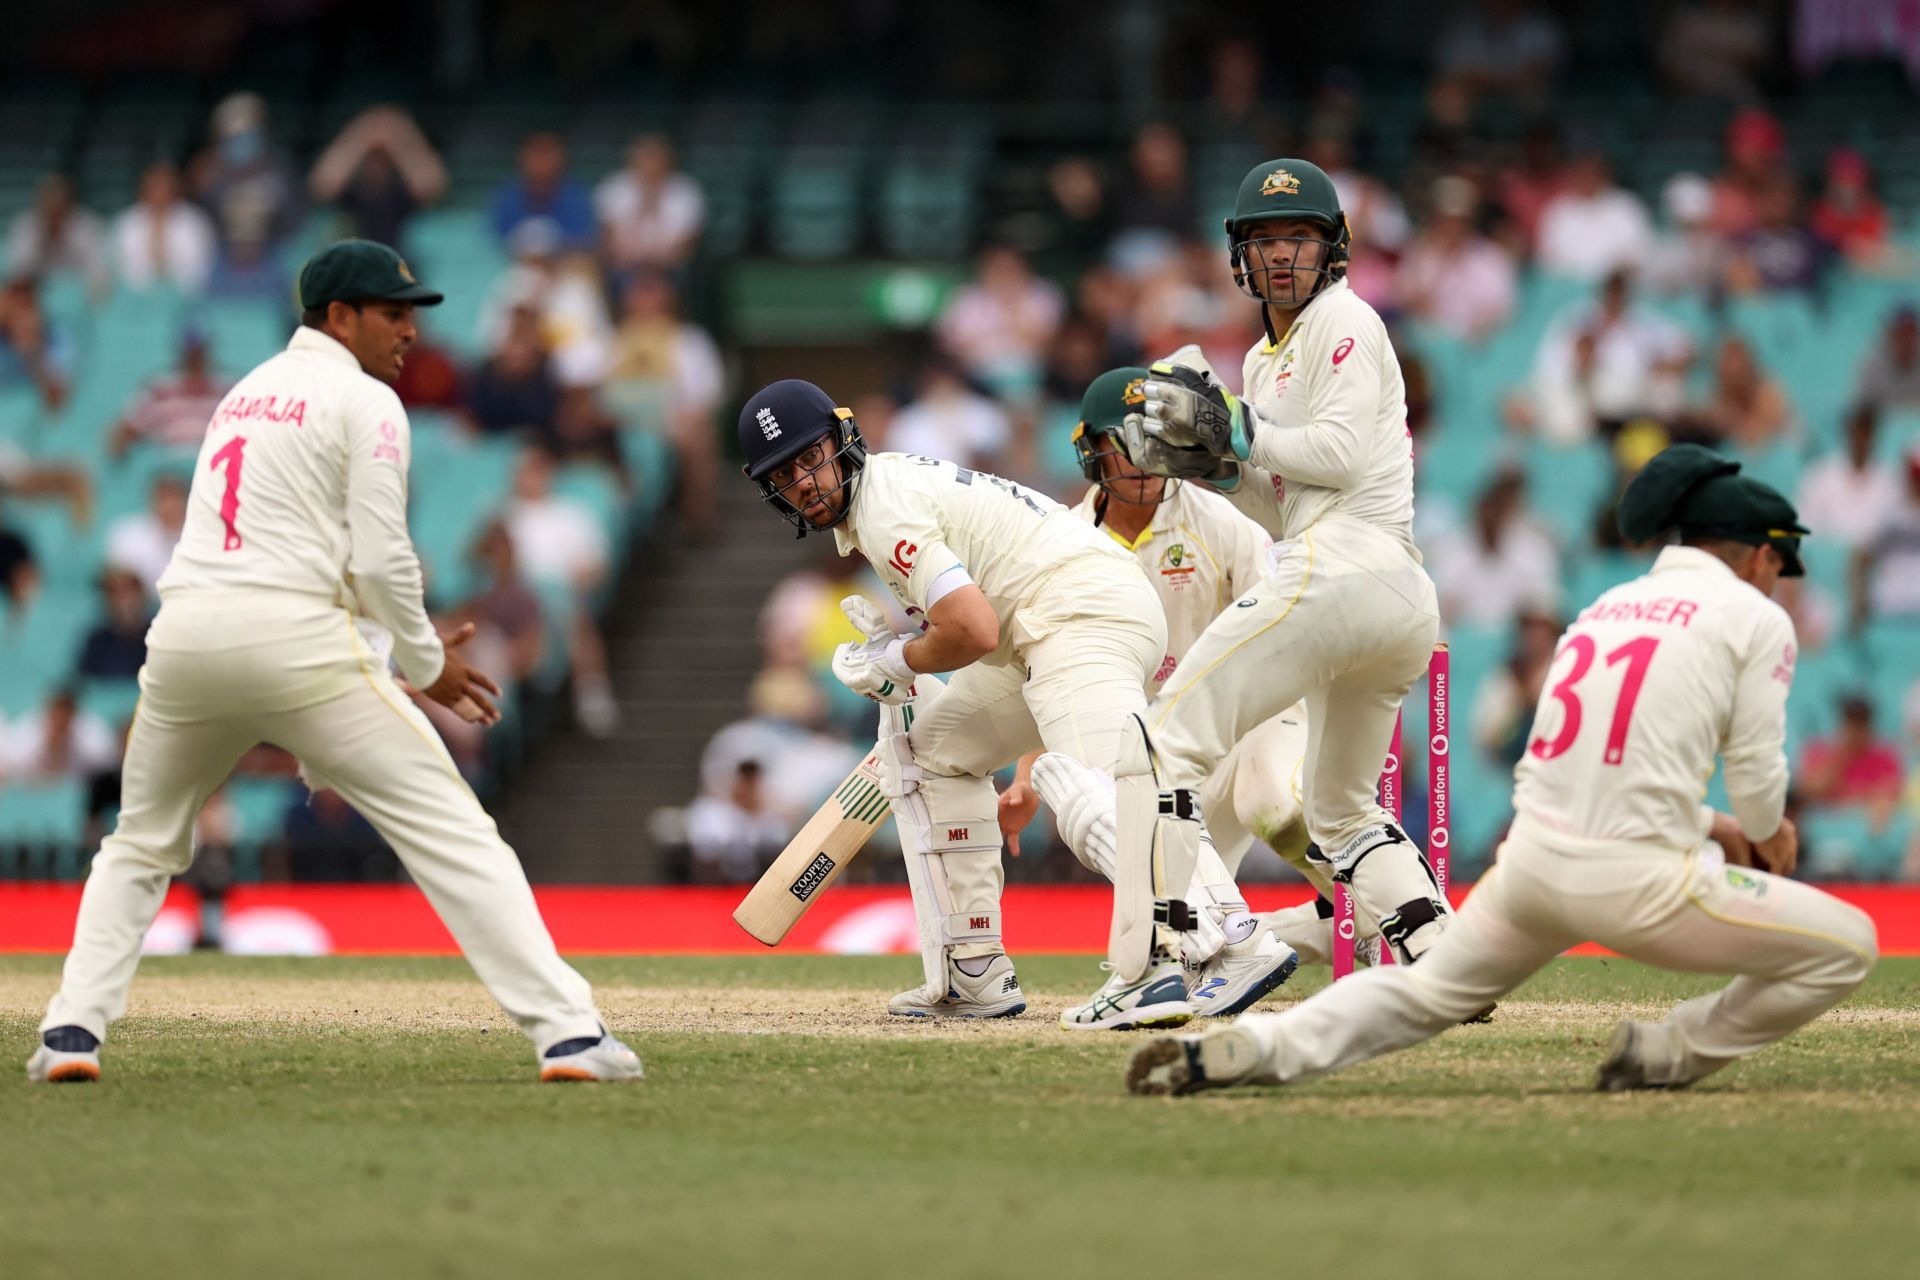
column 769, row 425
column 812, row 878
column 979, row 922
column 958, row 833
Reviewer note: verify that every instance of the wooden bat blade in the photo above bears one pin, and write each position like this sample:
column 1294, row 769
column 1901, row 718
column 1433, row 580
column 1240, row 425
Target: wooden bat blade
column 815, row 858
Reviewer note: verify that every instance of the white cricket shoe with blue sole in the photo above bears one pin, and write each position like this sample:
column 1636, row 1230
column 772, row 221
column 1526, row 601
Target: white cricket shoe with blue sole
column 995, row 993
column 1157, row 1000
column 1241, row 974
column 587, row 1060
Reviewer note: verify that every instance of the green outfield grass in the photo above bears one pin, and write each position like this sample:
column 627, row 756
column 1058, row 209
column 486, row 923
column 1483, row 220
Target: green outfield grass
column 365, row 1118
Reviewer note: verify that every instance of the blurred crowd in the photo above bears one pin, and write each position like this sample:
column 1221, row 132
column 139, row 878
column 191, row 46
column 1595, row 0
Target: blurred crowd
column 1558, row 321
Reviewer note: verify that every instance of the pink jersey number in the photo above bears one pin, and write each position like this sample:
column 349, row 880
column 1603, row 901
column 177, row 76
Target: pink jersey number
column 231, row 454
column 1638, row 655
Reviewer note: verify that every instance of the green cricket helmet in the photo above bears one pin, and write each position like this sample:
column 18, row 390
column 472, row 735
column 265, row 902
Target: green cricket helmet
column 1285, row 188
column 1702, row 494
column 1110, row 400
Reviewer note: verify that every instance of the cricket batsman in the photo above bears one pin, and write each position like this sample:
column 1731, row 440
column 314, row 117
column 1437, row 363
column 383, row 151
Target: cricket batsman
column 1201, row 555
column 293, row 580
column 1610, row 841
column 1318, row 453
column 1052, row 633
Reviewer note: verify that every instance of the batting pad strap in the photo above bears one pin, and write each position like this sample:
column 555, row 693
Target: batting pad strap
column 899, row 775
column 973, row 926
column 1346, row 857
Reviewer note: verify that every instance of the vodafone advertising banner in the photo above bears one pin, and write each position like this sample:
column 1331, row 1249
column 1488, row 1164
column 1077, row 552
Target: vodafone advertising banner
column 848, row 920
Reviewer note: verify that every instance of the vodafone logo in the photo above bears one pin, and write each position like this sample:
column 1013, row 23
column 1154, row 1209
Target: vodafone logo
column 1439, row 838
column 903, row 554
column 1342, row 351
column 1346, row 930
column 1438, row 745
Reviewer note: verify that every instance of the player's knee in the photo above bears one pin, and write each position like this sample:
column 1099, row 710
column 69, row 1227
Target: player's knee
column 145, row 855
column 1857, row 950
column 962, row 813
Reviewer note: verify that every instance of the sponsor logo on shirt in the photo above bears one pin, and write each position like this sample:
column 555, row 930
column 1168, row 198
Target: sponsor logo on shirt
column 1342, row 351
column 1167, row 666
column 903, row 555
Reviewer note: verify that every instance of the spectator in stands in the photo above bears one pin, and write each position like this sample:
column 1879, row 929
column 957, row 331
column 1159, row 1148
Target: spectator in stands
column 1688, row 256
column 430, row 379
column 1890, row 379
column 1849, row 218
column 72, row 483
column 33, row 350
column 544, row 191
column 19, row 570
column 1848, row 495
column 999, row 326
column 667, row 376
column 142, row 544
column 1714, row 48
column 514, row 388
column 1376, row 215
column 735, row 835
column 566, row 289
column 117, row 645
column 467, row 742
column 1488, row 572
column 164, row 238
column 1503, row 708
column 1527, row 185
column 1593, row 227
column 557, row 540
column 172, row 410
column 1452, row 277
column 1190, row 300
column 1236, row 108
column 1853, row 768
column 250, row 189
column 379, row 171
column 1154, row 208
column 1746, row 409
column 1756, row 163
column 1602, row 364
column 650, row 213
column 1508, row 48
column 1886, row 567
column 1778, row 254
column 58, row 741
column 1071, row 233
column 329, row 842
column 949, row 419
column 58, row 235
column 507, row 604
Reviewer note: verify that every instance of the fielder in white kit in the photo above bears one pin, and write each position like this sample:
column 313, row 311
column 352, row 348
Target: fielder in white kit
column 1610, row 841
column 1318, row 453
column 1053, row 633
column 1201, row 556
column 293, row 578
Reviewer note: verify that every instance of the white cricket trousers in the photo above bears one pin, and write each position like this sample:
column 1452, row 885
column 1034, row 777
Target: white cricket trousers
column 1345, row 619
column 1797, row 951
column 228, row 670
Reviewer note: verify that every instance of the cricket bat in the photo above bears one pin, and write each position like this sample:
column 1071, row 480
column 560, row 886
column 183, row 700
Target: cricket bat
column 815, row 858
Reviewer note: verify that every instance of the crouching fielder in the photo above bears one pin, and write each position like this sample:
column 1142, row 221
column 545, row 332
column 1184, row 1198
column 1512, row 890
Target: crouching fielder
column 1610, row 841
column 1053, row 633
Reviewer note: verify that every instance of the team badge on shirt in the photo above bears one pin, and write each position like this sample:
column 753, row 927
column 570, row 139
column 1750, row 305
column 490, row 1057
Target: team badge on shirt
column 1176, row 566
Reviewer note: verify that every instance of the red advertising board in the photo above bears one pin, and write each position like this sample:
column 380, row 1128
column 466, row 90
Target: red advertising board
column 586, row 920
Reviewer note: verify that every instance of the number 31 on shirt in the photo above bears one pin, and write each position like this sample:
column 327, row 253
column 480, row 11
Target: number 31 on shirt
column 1637, row 655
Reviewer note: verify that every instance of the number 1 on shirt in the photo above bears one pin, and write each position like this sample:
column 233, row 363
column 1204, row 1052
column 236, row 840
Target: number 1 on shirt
column 231, row 454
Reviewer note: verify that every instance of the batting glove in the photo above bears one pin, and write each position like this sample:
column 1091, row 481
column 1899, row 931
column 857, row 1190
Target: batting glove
column 1187, row 409
column 876, row 669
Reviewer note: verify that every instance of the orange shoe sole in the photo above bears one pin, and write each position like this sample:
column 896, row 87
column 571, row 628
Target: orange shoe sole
column 561, row 1075
column 73, row 1072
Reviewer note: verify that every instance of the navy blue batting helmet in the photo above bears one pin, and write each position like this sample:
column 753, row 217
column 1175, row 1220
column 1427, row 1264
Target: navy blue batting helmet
column 783, row 421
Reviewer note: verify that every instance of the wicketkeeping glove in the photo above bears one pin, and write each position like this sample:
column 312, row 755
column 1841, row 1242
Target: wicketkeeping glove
column 1187, row 409
column 1156, row 457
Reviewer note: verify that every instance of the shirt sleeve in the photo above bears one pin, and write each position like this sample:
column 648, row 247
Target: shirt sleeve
column 380, row 559
column 1755, row 750
column 1342, row 371
column 904, row 538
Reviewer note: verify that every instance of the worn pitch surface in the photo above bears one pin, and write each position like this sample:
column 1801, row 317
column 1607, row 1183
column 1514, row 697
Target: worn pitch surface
column 377, row 1117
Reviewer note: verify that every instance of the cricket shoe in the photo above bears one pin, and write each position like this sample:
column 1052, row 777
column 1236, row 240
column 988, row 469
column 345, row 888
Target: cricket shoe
column 994, row 993
column 66, row 1055
column 1625, row 1067
column 1157, row 1000
column 590, row 1059
column 1241, row 974
column 1174, row 1065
